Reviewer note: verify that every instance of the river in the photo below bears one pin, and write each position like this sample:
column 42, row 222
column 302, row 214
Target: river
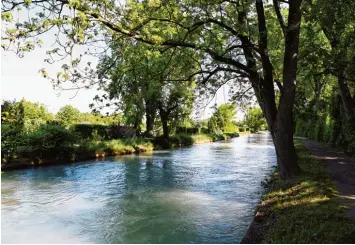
column 200, row 194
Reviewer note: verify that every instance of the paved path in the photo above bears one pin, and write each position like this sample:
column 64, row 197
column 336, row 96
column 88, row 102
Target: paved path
column 341, row 168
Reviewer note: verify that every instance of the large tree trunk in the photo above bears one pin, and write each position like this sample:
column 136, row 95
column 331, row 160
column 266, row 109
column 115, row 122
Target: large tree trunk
column 165, row 129
column 282, row 132
column 149, row 124
column 150, row 118
column 283, row 128
column 164, row 117
column 280, row 121
column 348, row 100
column 280, row 124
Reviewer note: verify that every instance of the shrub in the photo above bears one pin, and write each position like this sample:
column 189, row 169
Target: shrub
column 114, row 147
column 11, row 140
column 187, row 130
column 180, row 140
column 92, row 131
column 232, row 134
column 50, row 141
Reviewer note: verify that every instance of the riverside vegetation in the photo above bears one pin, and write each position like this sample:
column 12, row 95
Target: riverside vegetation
column 32, row 136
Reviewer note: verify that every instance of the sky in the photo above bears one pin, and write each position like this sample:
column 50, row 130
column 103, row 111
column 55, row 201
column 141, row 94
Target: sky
column 20, row 78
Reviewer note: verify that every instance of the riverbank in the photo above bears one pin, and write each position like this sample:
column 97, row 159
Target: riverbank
column 100, row 149
column 306, row 209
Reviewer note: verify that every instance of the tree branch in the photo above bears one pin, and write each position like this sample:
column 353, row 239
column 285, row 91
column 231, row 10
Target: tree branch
column 279, row 16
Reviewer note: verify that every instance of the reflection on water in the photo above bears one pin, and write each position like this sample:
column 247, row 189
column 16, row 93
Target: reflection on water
column 201, row 194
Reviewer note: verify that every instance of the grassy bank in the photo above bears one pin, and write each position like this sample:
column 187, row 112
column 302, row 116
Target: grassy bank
column 40, row 154
column 186, row 140
column 114, row 147
column 302, row 210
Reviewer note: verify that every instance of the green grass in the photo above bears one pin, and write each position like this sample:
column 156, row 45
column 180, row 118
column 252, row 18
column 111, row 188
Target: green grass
column 305, row 209
column 186, row 139
column 115, row 147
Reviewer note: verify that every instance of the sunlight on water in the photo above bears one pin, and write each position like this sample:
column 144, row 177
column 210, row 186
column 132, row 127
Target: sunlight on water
column 201, row 194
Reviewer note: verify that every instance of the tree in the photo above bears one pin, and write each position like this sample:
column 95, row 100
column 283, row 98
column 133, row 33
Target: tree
column 35, row 115
column 222, row 118
column 68, row 115
column 254, row 119
column 337, row 24
column 229, row 37
column 149, row 86
column 12, row 113
column 27, row 115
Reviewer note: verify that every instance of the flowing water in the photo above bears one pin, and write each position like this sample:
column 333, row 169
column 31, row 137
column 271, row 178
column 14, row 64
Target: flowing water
column 200, row 194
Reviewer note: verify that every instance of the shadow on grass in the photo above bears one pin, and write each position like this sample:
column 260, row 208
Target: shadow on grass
column 305, row 209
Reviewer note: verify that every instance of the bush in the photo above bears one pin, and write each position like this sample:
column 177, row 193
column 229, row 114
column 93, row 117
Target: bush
column 50, row 141
column 187, row 130
column 204, row 130
column 114, row 147
column 181, row 140
column 91, row 131
column 11, row 140
column 232, row 135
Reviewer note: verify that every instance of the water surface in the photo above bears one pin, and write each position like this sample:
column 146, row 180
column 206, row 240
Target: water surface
column 201, row 194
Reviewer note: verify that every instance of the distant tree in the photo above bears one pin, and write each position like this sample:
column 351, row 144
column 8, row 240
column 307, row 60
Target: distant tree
column 35, row 115
column 222, row 119
column 12, row 113
column 254, row 119
column 26, row 114
column 68, row 115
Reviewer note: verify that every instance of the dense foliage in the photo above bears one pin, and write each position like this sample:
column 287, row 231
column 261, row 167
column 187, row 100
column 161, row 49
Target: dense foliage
column 254, row 119
column 222, row 119
column 31, row 134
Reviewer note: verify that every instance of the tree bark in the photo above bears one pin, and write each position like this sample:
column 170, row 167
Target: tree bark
column 279, row 120
column 150, row 118
column 282, row 129
column 164, row 117
column 348, row 101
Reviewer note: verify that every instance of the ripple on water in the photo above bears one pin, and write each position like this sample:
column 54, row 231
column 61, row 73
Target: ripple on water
column 200, row 194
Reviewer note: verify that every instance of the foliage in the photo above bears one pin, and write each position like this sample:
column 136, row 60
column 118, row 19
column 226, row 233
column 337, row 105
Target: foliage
column 254, row 119
column 12, row 112
column 114, row 147
column 50, row 141
column 179, row 140
column 325, row 103
column 222, row 119
column 97, row 118
column 323, row 118
column 92, row 131
column 11, row 139
column 68, row 115
column 305, row 209
column 187, row 130
column 30, row 116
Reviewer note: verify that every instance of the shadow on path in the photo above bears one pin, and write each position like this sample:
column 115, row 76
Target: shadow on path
column 342, row 170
